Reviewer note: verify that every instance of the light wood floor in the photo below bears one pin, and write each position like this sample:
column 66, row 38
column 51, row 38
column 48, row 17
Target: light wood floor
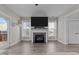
column 27, row 48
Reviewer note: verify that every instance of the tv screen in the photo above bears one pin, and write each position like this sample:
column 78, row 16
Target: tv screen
column 39, row 21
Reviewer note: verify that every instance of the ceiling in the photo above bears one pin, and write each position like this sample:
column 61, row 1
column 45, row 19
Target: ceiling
column 55, row 10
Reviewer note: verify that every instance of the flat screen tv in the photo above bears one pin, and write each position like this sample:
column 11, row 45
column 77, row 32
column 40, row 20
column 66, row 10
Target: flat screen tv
column 39, row 21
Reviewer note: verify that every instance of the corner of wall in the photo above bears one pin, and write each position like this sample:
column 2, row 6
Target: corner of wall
column 12, row 44
column 62, row 42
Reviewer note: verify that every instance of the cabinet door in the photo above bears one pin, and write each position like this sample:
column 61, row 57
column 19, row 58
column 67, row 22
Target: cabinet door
column 74, row 32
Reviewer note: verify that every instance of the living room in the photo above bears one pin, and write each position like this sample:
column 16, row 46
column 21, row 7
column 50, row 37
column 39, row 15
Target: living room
column 39, row 29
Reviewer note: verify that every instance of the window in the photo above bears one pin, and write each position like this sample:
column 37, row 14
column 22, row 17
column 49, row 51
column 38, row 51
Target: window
column 25, row 29
column 3, row 24
column 3, row 30
column 52, row 25
column 25, row 25
column 52, row 29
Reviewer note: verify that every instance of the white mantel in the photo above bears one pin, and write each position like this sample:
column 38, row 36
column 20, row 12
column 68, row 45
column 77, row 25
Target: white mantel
column 39, row 30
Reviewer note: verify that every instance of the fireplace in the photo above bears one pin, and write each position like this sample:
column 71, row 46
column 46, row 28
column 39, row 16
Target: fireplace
column 39, row 37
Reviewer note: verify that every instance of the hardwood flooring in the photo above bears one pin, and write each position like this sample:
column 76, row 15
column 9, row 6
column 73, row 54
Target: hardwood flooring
column 51, row 48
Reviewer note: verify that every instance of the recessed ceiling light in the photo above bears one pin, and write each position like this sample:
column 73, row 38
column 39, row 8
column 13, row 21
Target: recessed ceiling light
column 36, row 4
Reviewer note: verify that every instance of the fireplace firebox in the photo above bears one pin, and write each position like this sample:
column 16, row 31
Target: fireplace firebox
column 39, row 37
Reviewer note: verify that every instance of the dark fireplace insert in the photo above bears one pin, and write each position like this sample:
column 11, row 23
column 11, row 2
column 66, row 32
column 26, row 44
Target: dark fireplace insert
column 39, row 37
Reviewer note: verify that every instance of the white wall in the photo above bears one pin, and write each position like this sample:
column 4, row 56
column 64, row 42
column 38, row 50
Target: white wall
column 63, row 27
column 14, row 32
column 62, row 30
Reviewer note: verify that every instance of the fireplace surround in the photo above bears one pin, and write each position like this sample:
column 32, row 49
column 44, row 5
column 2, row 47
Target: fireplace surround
column 39, row 35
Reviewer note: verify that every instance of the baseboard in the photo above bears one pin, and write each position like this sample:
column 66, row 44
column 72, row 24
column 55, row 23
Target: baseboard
column 62, row 42
column 26, row 40
column 10, row 45
column 2, row 51
column 14, row 43
column 51, row 40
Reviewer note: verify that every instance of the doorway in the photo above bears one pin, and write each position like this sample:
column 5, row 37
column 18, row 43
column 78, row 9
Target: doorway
column 3, row 33
column 73, row 32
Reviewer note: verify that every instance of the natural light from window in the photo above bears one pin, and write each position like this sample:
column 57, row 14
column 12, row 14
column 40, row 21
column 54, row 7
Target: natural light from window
column 3, row 24
column 52, row 25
